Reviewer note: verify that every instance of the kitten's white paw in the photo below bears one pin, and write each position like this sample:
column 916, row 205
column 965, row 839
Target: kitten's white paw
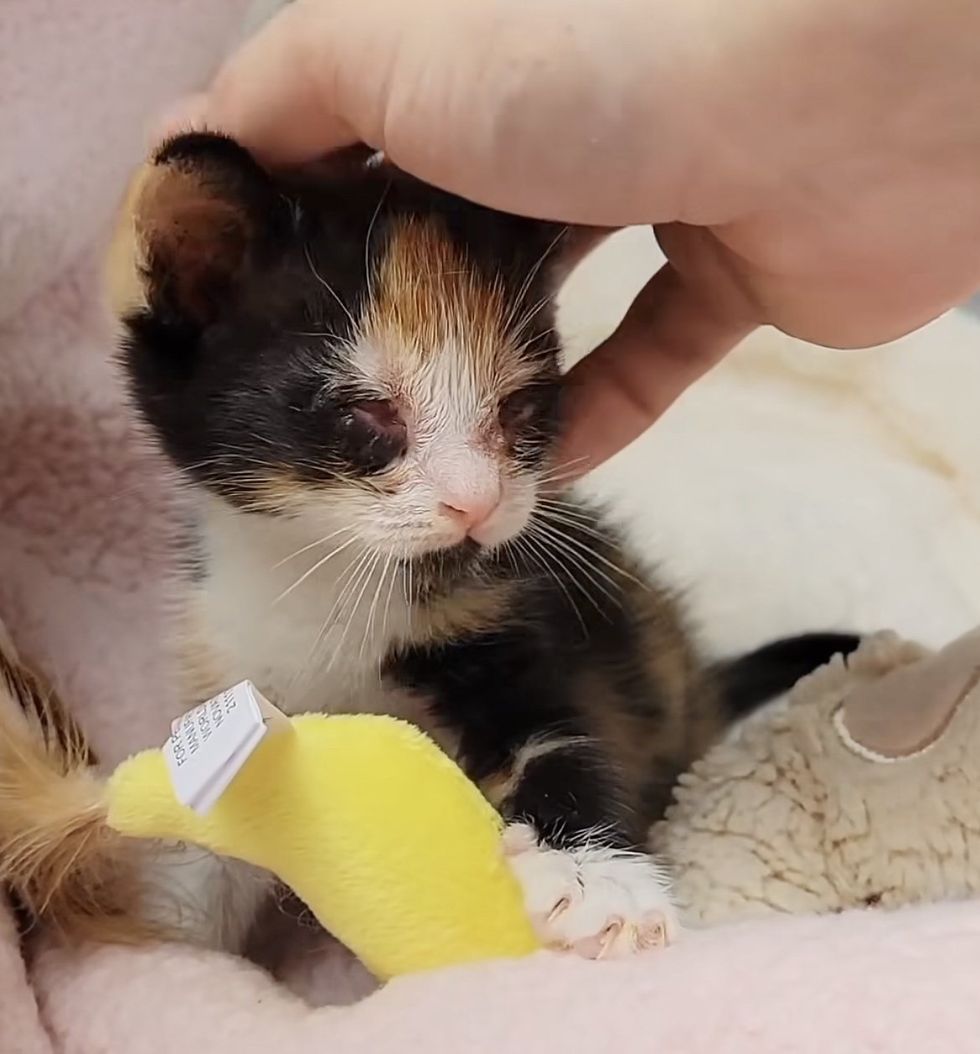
column 592, row 900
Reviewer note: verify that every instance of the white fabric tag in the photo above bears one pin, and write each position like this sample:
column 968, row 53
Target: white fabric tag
column 209, row 745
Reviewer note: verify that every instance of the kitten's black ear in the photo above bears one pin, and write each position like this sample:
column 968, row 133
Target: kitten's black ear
column 199, row 216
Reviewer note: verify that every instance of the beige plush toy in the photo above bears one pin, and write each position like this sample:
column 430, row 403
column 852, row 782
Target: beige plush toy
column 862, row 789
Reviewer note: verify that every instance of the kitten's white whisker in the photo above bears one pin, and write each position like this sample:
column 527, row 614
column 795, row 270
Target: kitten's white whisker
column 511, row 549
column 339, row 605
column 329, row 288
column 589, row 551
column 369, row 627
column 556, row 578
column 396, row 570
column 368, row 271
column 306, row 668
column 551, row 516
column 561, row 568
column 580, row 558
column 316, row 567
column 533, row 271
column 410, row 603
column 307, row 548
column 561, row 472
column 576, row 560
column 569, row 506
column 515, row 326
column 364, row 581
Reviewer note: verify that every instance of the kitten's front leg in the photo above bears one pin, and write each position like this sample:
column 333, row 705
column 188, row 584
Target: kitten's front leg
column 587, row 888
column 588, row 885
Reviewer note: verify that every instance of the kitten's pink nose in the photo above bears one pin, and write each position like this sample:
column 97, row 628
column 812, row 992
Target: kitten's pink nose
column 471, row 509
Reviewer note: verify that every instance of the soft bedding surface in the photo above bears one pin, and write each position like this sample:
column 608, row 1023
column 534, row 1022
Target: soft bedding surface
column 792, row 488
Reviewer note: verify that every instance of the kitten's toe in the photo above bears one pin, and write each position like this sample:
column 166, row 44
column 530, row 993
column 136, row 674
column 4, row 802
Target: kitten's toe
column 592, row 900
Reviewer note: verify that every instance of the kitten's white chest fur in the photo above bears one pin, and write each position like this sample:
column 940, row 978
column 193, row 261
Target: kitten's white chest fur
column 313, row 638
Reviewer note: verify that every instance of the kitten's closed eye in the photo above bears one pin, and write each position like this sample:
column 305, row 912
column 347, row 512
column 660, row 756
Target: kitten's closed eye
column 376, row 433
column 518, row 409
column 369, row 433
column 528, row 418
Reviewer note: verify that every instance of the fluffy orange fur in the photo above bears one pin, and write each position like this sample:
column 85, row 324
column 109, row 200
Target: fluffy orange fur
column 426, row 296
column 59, row 860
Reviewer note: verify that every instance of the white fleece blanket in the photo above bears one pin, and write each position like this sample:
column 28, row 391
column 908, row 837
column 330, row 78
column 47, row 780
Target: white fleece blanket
column 797, row 487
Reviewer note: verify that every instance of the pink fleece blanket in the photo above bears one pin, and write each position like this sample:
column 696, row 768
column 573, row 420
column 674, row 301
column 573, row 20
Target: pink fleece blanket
column 84, row 519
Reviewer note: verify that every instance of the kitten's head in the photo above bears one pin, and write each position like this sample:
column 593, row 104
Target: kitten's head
column 345, row 345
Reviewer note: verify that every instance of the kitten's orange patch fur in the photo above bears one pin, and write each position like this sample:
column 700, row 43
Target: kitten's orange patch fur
column 428, row 300
column 58, row 857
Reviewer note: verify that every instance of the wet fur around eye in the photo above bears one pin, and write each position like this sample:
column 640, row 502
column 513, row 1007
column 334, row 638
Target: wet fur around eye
column 358, row 378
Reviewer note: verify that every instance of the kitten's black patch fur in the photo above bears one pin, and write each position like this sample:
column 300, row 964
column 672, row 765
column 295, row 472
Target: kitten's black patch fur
column 234, row 361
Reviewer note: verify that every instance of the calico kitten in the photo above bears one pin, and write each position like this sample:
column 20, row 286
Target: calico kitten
column 357, row 376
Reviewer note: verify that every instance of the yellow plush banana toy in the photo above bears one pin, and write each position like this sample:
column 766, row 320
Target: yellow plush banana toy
column 377, row 830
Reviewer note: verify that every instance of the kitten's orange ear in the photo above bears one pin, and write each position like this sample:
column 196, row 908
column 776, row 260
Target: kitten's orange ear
column 197, row 216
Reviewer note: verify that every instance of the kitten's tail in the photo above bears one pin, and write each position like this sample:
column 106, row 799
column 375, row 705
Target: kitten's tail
column 60, row 861
column 761, row 675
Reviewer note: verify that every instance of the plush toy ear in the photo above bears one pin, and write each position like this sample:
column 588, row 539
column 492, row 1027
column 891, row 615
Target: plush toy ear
column 199, row 216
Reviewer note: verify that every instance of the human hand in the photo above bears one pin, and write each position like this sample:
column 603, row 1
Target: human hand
column 813, row 165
